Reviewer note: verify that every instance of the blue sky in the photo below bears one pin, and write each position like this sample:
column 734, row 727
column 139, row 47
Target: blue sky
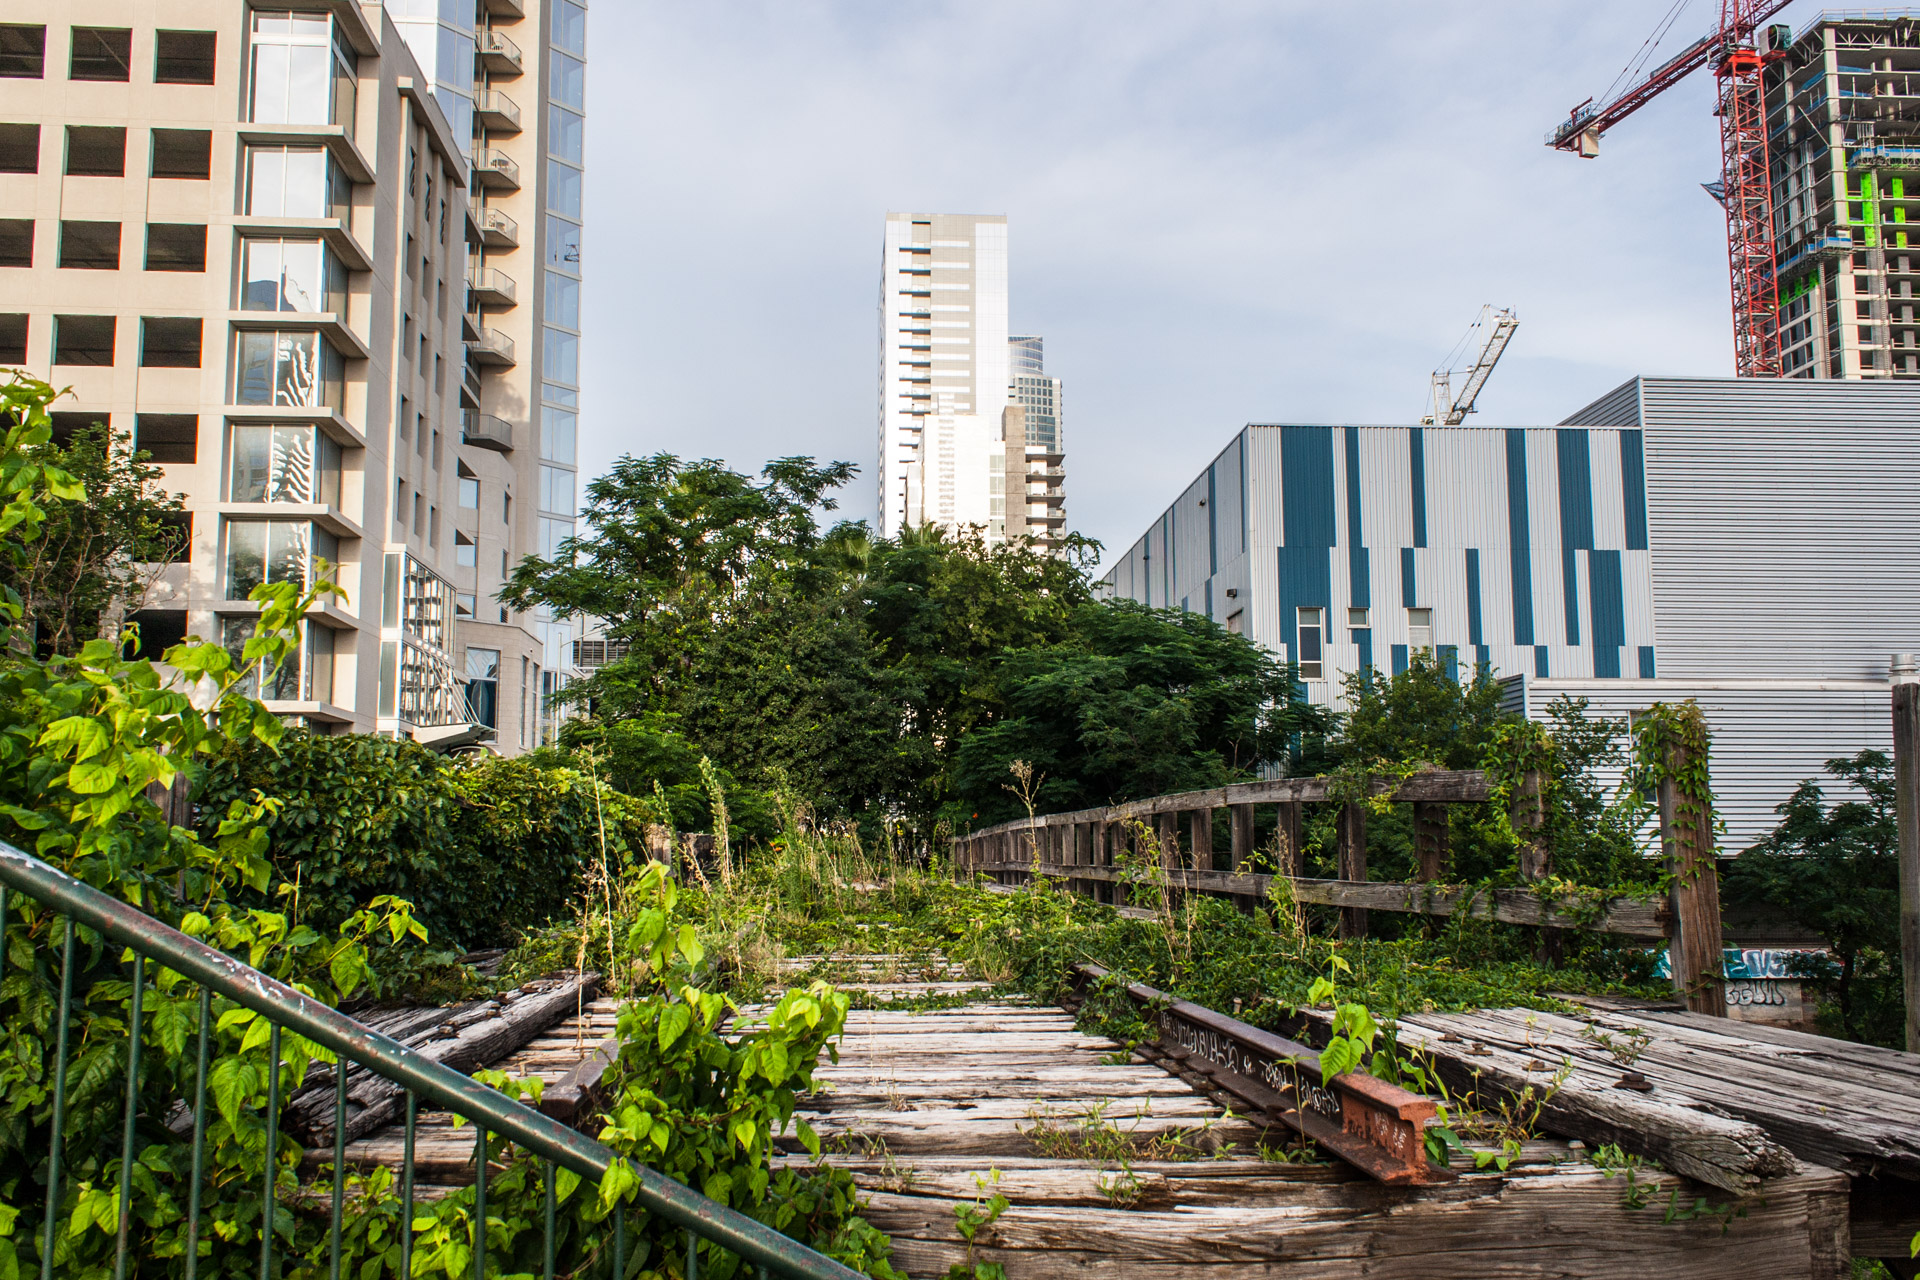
column 1220, row 212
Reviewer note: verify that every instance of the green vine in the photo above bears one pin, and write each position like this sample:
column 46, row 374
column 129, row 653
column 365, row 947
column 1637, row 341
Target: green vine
column 1354, row 782
column 1671, row 744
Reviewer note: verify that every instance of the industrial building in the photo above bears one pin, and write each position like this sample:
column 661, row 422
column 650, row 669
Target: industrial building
column 1751, row 543
column 323, row 267
column 970, row 423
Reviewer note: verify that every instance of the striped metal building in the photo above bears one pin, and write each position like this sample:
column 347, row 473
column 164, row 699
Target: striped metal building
column 1752, row 544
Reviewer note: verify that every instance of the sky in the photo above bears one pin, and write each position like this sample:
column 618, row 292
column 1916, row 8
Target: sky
column 1220, row 212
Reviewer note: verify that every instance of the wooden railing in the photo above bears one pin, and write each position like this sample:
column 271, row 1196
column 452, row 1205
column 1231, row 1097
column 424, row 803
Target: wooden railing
column 1099, row 852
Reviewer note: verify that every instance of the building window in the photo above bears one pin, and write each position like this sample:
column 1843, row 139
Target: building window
column 563, row 300
column 170, row 342
column 556, row 491
column 295, row 182
column 279, row 684
column 570, row 26
column 562, row 356
column 466, row 553
column 1237, row 622
column 182, row 153
column 278, row 463
column 83, row 340
column 300, row 76
column 1420, row 630
column 298, row 369
column 483, row 687
column 1359, row 619
column 469, row 488
column 292, row 275
column 172, row 438
column 19, row 148
column 183, row 57
column 563, row 188
column 23, row 52
column 16, row 243
column 1311, row 656
column 90, row 246
column 101, row 53
column 274, row 551
column 96, row 151
column 557, row 433
column 176, row 246
column 552, row 533
column 566, row 135
column 464, row 604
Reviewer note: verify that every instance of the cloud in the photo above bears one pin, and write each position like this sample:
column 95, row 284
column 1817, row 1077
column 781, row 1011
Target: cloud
column 1220, row 212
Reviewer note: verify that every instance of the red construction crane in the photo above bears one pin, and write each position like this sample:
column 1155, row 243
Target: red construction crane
column 1745, row 191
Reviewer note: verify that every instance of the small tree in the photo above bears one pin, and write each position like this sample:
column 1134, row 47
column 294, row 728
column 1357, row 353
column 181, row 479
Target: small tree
column 97, row 556
column 1834, row 869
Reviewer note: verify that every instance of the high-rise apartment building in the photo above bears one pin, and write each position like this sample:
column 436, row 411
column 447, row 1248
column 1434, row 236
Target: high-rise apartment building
column 1845, row 149
column 256, row 240
column 954, row 437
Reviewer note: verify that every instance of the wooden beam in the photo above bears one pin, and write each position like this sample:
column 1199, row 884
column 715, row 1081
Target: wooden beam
column 1293, row 854
column 1623, row 915
column 1353, row 865
column 1694, row 951
column 1430, row 840
column 1242, row 821
column 1200, row 838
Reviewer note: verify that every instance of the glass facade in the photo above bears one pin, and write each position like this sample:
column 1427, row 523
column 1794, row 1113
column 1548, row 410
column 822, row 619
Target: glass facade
column 291, row 275
column 268, row 551
column 295, row 182
column 294, row 464
column 300, row 74
column 299, row 369
column 440, row 33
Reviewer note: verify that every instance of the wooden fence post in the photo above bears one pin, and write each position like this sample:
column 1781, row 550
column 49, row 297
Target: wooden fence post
column 1693, row 945
column 1167, row 829
column 1242, row 817
column 1293, row 856
column 1200, row 836
column 1430, row 840
column 1906, row 783
column 1528, row 817
column 1353, row 865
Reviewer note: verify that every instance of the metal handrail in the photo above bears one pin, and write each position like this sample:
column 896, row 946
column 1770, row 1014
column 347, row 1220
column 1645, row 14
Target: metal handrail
column 492, row 1111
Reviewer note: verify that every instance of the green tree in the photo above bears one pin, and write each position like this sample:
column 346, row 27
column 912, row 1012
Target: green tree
column 1834, row 869
column 1132, row 702
column 1424, row 713
column 95, row 557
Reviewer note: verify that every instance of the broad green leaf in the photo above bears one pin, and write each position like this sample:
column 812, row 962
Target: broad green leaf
column 673, row 1022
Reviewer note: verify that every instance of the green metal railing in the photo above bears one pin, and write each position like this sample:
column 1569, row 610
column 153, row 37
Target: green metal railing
column 82, row 907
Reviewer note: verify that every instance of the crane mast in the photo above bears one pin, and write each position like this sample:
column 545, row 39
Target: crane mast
column 1746, row 191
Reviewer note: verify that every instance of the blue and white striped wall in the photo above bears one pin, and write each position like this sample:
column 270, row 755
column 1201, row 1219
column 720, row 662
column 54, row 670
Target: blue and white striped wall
column 1529, row 546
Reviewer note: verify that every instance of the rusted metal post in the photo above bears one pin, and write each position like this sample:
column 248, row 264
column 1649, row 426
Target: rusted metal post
column 1200, row 837
column 1430, row 840
column 1293, row 855
column 1906, row 783
column 1693, row 941
column 1353, row 865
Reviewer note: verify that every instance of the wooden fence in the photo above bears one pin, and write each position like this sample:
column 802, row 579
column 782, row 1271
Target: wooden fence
column 1098, row 851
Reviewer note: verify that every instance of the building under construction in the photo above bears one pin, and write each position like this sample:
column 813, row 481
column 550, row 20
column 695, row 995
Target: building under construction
column 1843, row 116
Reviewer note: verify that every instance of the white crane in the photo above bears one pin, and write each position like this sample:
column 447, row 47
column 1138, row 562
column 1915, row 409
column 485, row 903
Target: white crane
column 1495, row 330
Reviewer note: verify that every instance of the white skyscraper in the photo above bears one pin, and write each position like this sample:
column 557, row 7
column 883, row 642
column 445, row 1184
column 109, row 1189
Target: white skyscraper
column 943, row 366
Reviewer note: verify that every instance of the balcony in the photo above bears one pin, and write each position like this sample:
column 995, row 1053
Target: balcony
column 498, row 112
column 484, row 431
column 470, row 326
column 492, row 347
column 506, row 8
column 496, row 169
column 497, row 230
column 489, row 287
column 497, row 54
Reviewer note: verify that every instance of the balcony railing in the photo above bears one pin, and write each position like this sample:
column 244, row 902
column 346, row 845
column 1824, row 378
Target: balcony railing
column 492, row 347
column 496, row 169
column 484, row 431
column 490, row 287
column 497, row 111
column 496, row 53
column 497, row 230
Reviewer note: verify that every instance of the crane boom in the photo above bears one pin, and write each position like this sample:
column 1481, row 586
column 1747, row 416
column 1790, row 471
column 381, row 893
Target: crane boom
column 1580, row 132
column 1451, row 410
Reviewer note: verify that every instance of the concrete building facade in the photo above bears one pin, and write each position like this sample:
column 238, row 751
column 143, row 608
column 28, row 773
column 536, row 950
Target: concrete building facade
column 1753, row 544
column 958, row 422
column 1843, row 111
column 243, row 235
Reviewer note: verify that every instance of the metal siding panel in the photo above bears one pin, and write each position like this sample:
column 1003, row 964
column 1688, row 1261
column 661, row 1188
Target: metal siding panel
column 1620, row 407
column 1788, row 510
column 1307, row 515
column 1417, row 483
column 1359, row 585
column 1519, row 538
column 1766, row 739
column 1474, row 631
column 1633, row 488
column 1608, row 505
column 1543, row 527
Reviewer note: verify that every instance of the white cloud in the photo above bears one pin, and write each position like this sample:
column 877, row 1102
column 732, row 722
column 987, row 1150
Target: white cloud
column 1220, row 212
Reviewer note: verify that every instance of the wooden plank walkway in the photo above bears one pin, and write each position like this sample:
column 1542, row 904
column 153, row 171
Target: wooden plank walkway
column 937, row 1109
